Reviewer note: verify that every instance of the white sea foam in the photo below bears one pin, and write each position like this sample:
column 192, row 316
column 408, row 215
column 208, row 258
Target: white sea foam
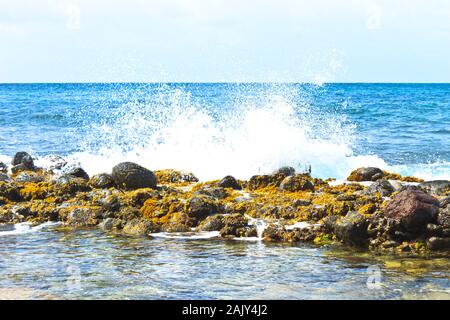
column 246, row 139
column 24, row 227
column 186, row 235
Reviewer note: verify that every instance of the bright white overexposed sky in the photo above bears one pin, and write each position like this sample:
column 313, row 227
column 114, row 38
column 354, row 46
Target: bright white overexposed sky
column 225, row 40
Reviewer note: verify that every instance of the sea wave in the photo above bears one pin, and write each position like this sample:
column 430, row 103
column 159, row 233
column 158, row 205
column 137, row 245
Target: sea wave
column 24, row 227
column 253, row 136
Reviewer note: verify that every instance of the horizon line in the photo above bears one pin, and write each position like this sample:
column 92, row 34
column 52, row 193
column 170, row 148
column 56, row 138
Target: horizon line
column 222, row 82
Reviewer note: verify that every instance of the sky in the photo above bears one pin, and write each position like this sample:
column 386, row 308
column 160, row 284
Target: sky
column 224, row 41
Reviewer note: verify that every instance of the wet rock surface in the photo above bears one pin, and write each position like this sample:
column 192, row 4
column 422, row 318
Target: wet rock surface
column 229, row 182
column 102, row 181
column 413, row 209
column 129, row 175
column 366, row 174
column 388, row 215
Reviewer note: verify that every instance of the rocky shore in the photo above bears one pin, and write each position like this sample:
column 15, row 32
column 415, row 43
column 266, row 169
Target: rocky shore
column 373, row 209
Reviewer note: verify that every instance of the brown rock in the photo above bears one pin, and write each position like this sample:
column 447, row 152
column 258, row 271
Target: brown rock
column 413, row 209
column 366, row 174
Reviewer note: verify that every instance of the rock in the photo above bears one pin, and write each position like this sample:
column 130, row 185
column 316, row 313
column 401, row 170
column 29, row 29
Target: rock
column 436, row 243
column 4, row 177
column 366, row 174
column 29, row 176
column 77, row 172
column 107, row 224
column 66, row 185
column 436, row 187
column 3, row 167
column 81, row 217
column 137, row 227
column 24, row 159
column 286, row 171
column 397, row 185
column 299, row 182
column 200, row 207
column 57, row 162
column 212, row 223
column 273, row 234
column 174, row 176
column 10, row 191
column 230, row 182
column 175, row 227
column 351, row 229
column 217, row 192
column 18, row 168
column 443, row 218
column 390, row 244
column 101, row 181
column 129, row 175
column 444, row 202
column 236, row 225
column 382, row 187
column 413, row 209
column 263, row 181
column 137, row 198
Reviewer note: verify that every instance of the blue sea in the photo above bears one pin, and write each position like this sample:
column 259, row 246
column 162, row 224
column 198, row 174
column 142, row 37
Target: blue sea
column 214, row 129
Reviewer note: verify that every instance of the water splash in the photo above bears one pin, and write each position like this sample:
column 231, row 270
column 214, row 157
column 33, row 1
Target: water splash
column 254, row 134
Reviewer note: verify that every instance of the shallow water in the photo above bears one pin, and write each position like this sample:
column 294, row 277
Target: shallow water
column 54, row 263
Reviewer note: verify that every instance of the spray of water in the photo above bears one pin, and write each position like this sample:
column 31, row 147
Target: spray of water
column 251, row 135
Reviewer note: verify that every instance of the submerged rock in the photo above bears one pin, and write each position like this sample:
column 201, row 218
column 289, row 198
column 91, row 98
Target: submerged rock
column 230, row 182
column 413, row 209
column 436, row 187
column 366, row 174
column 102, row 181
column 129, row 175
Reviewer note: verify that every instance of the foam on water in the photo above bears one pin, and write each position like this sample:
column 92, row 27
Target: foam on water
column 186, row 235
column 24, row 227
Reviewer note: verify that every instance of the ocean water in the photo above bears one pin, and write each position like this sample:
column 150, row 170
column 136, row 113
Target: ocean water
column 239, row 129
column 214, row 130
column 55, row 263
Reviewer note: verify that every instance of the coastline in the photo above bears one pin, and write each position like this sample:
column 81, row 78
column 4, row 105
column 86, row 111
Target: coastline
column 372, row 210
